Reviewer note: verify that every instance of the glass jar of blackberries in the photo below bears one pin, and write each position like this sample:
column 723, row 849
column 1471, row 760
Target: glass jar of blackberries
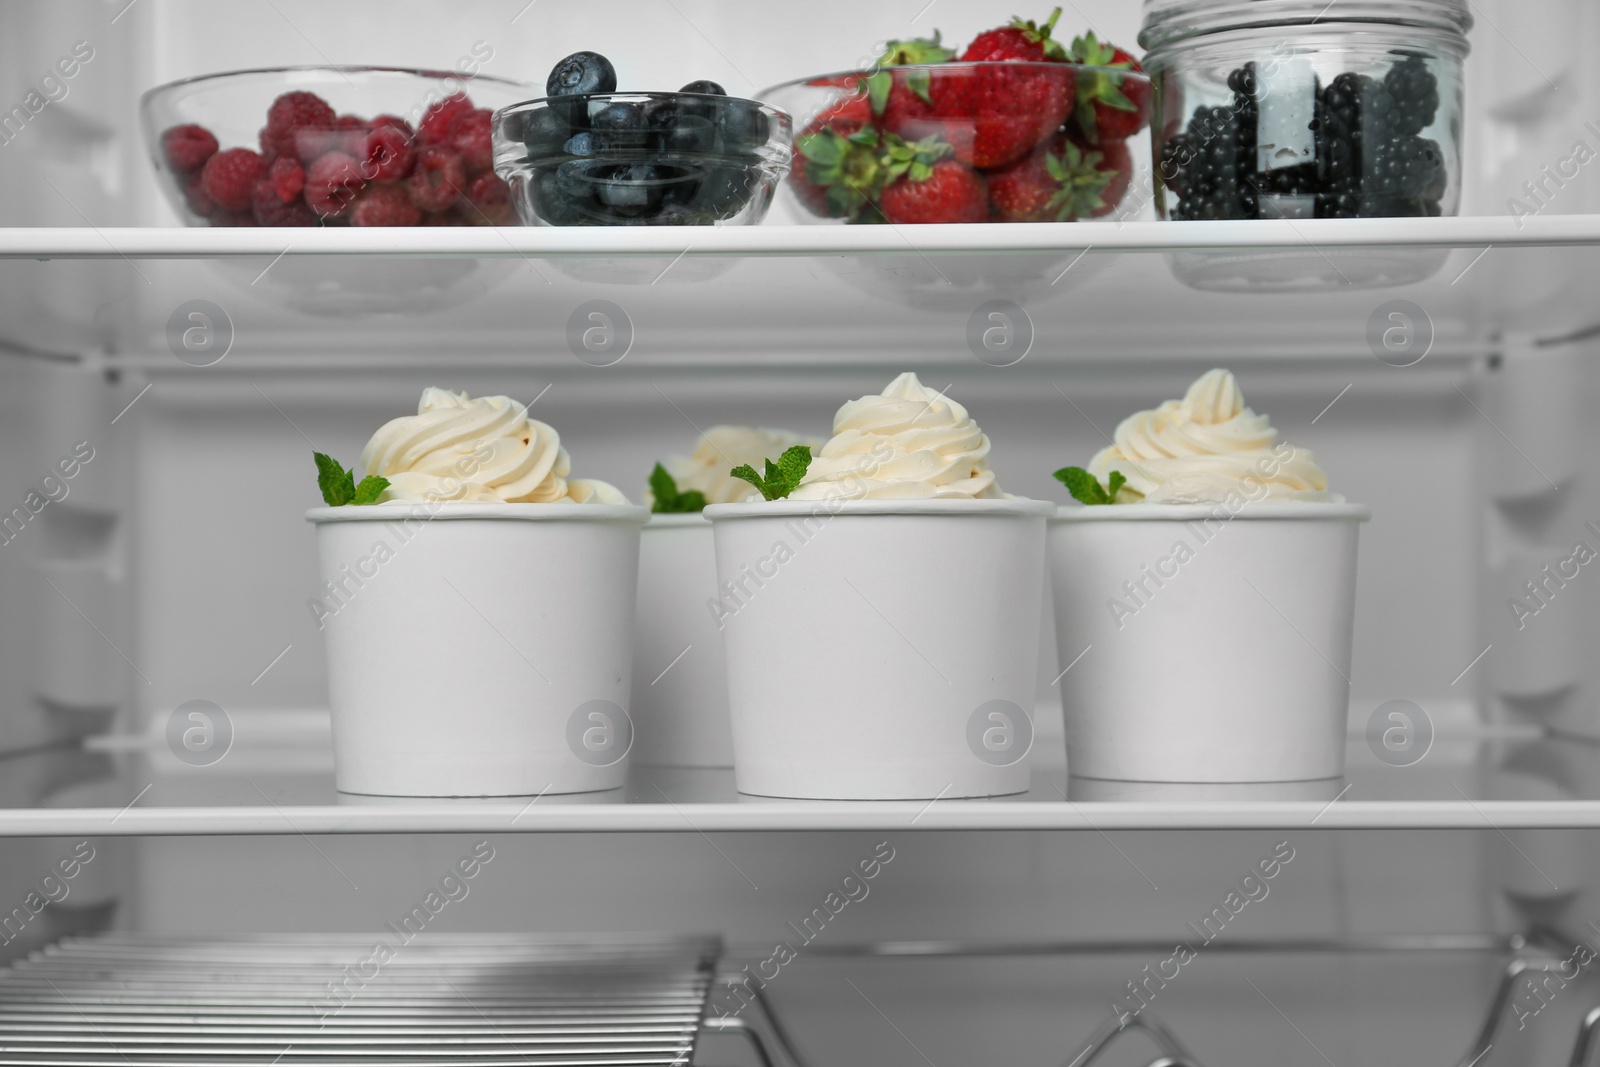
column 1305, row 109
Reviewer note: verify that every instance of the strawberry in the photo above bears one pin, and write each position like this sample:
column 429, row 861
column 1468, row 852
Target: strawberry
column 1023, row 191
column 899, row 97
column 1061, row 181
column 944, row 191
column 846, row 114
column 1010, row 111
column 1115, row 161
column 837, row 166
column 1109, row 106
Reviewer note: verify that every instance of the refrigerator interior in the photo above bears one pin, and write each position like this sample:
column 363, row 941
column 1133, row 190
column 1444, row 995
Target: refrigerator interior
column 176, row 565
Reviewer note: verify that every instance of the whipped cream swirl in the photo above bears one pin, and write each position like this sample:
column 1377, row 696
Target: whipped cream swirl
column 907, row 443
column 723, row 448
column 1206, row 447
column 456, row 448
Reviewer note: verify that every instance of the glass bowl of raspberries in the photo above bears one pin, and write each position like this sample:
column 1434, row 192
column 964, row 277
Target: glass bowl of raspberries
column 1019, row 126
column 330, row 146
column 587, row 155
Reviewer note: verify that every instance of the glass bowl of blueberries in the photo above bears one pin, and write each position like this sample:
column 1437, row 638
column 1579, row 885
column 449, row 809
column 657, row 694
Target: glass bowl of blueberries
column 587, row 155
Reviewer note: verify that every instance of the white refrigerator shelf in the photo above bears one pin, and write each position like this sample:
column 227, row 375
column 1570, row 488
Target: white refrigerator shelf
column 1467, row 782
column 1483, row 231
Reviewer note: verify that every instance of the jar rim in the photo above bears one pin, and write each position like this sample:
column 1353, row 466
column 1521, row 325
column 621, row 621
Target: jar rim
column 1167, row 22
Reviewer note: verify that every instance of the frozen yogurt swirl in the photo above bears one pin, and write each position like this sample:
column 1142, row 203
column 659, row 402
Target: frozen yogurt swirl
column 456, row 448
column 1206, row 447
column 906, row 443
column 723, row 448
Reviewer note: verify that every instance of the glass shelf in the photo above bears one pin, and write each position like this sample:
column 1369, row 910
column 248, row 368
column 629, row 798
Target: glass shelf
column 1467, row 781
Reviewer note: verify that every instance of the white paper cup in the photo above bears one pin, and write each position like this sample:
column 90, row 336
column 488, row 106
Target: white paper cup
column 881, row 649
column 1204, row 648
column 482, row 650
column 680, row 683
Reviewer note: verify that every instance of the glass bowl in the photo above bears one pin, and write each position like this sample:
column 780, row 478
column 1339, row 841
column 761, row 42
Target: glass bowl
column 424, row 163
column 642, row 159
column 1009, row 142
column 1301, row 109
column 1287, row 109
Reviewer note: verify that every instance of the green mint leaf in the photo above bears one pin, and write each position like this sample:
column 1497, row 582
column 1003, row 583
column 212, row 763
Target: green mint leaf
column 337, row 484
column 1114, row 483
column 748, row 473
column 792, row 467
column 667, row 500
column 370, row 489
column 663, row 490
column 1084, row 487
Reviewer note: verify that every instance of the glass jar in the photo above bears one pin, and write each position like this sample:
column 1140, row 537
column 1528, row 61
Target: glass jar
column 1306, row 109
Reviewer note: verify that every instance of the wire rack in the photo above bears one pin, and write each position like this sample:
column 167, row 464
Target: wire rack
column 308, row 1001
column 503, row 1000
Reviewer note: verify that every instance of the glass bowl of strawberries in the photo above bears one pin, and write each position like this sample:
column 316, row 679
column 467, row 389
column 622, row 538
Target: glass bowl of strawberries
column 1016, row 127
column 330, row 146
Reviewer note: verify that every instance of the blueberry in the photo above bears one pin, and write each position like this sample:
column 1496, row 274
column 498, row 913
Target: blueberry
column 582, row 144
column 546, row 131
column 579, row 178
column 618, row 126
column 705, row 86
column 661, row 115
column 618, row 116
column 743, row 126
column 728, row 189
column 552, row 203
column 693, row 134
column 632, row 185
column 680, row 184
column 581, row 73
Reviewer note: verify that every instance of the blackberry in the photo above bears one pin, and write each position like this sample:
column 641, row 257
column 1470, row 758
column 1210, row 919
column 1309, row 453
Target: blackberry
column 1342, row 202
column 1175, row 157
column 1369, row 160
column 1243, row 80
column 1211, row 180
column 1406, row 166
column 1416, row 94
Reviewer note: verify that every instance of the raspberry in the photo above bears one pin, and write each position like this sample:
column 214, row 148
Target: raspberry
column 488, row 202
column 468, row 133
column 230, row 177
column 188, row 147
column 437, row 179
column 393, row 120
column 196, row 197
column 288, row 178
column 350, row 122
column 440, row 218
column 332, row 183
column 435, row 125
column 271, row 209
column 384, row 205
column 311, row 145
column 387, row 153
column 289, row 113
